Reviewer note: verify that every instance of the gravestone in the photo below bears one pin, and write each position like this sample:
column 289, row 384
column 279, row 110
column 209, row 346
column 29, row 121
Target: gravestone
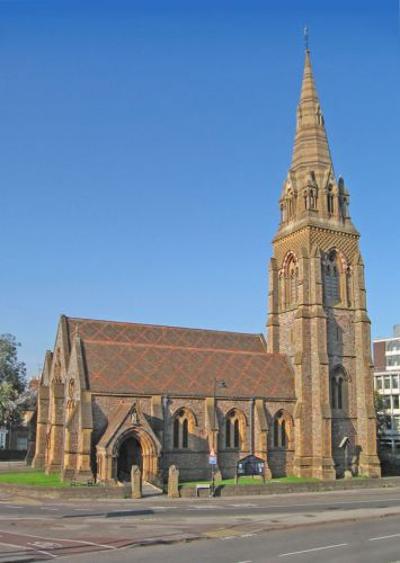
column 136, row 481
column 173, row 482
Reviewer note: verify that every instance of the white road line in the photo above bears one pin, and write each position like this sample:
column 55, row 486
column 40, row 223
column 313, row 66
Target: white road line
column 384, row 537
column 313, row 549
column 248, row 561
column 61, row 539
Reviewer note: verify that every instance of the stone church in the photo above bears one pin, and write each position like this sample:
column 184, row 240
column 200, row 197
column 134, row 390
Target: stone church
column 114, row 394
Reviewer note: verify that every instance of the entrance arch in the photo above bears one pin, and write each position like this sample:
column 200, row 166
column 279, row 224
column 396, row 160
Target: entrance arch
column 129, row 454
column 135, row 447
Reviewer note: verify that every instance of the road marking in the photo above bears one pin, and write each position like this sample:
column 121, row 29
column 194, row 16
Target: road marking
column 60, row 539
column 247, row 535
column 248, row 561
column 82, row 509
column 229, row 538
column 384, row 537
column 47, row 545
column 313, row 549
column 243, row 505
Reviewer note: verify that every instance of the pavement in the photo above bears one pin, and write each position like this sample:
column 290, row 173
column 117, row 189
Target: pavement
column 108, row 530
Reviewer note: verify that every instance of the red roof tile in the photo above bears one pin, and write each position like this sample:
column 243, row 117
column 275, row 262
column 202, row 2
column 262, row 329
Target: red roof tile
column 149, row 359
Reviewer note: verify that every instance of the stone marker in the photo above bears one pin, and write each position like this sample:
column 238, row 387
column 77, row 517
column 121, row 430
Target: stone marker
column 267, row 471
column 173, row 482
column 136, row 481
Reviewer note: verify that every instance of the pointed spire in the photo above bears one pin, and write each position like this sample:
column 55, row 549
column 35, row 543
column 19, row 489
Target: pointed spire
column 311, row 148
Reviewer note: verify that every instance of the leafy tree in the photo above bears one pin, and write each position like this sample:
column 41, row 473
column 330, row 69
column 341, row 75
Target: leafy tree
column 383, row 421
column 12, row 371
column 12, row 380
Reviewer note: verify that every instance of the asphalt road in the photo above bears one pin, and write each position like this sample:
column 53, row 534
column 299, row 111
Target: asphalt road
column 271, row 504
column 359, row 542
column 265, row 528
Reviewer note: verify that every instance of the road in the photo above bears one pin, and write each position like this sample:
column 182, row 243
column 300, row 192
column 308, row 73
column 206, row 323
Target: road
column 345, row 526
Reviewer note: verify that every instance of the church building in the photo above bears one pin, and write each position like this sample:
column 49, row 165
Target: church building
column 117, row 394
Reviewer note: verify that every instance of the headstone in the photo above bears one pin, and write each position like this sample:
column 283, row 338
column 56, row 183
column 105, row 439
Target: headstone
column 217, row 475
column 267, row 472
column 136, row 481
column 348, row 474
column 173, row 482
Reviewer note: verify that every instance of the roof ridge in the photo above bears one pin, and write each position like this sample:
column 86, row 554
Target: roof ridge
column 130, row 323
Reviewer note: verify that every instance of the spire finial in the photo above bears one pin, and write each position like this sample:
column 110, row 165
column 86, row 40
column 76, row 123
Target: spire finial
column 306, row 38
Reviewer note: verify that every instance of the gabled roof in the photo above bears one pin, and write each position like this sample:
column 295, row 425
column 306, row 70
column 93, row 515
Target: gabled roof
column 139, row 359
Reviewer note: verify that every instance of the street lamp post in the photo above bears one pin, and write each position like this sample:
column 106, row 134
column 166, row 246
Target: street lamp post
column 213, row 454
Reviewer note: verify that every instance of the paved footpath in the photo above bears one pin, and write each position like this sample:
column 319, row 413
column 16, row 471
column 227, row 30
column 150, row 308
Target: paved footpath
column 31, row 530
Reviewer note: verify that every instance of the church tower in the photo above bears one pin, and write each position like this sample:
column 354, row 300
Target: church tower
column 317, row 307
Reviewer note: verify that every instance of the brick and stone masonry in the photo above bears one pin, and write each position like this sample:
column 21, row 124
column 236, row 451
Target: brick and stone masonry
column 117, row 395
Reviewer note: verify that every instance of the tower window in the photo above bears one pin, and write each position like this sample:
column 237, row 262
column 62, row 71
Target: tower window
column 330, row 202
column 338, row 386
column 331, row 280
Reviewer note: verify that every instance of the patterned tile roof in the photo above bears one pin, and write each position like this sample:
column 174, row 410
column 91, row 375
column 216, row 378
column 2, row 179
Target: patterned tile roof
column 151, row 359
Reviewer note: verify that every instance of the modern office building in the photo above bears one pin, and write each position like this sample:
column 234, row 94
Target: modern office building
column 386, row 383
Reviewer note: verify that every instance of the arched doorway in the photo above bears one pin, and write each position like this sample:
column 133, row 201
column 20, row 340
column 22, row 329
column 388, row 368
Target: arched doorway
column 129, row 454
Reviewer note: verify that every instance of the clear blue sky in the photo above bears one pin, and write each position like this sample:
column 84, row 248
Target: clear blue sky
column 144, row 145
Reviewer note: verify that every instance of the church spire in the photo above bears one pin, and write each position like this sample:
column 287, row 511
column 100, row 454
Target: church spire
column 311, row 194
column 311, row 148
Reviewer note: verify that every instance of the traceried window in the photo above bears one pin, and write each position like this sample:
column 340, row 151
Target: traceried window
column 281, row 429
column 232, row 430
column 181, row 430
column 331, row 279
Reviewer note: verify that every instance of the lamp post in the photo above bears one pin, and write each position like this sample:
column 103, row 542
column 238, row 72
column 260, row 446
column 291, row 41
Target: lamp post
column 213, row 455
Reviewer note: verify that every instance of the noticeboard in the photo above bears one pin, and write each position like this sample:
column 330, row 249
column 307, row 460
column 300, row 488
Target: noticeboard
column 250, row 465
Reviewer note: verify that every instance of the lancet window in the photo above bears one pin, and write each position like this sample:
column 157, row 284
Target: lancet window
column 235, row 428
column 290, row 280
column 181, row 429
column 331, row 277
column 282, row 428
column 338, row 388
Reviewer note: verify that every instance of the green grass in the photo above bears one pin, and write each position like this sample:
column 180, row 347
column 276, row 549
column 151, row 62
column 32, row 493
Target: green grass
column 34, row 478
column 255, row 481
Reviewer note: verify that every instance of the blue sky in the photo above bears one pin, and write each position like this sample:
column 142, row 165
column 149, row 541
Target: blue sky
column 144, row 145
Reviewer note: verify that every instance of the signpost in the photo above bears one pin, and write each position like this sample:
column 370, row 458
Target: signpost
column 212, row 460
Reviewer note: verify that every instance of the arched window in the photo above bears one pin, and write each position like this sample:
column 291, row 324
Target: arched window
column 233, row 423
column 331, row 278
column 282, row 430
column 290, row 280
column 181, row 429
column 338, row 388
column 330, row 201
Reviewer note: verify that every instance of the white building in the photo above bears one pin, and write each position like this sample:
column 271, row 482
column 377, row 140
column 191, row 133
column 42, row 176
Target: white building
column 386, row 382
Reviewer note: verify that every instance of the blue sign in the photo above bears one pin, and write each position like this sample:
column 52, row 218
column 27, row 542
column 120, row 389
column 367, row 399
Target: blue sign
column 212, row 459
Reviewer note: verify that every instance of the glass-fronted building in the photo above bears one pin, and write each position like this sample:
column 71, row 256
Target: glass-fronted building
column 386, row 383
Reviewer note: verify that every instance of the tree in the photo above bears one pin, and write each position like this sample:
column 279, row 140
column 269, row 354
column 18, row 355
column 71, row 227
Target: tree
column 12, row 371
column 12, row 380
column 383, row 420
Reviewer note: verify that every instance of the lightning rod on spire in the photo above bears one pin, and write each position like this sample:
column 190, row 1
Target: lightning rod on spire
column 306, row 38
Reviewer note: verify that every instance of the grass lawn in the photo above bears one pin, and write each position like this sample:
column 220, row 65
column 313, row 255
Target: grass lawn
column 255, row 481
column 33, row 477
